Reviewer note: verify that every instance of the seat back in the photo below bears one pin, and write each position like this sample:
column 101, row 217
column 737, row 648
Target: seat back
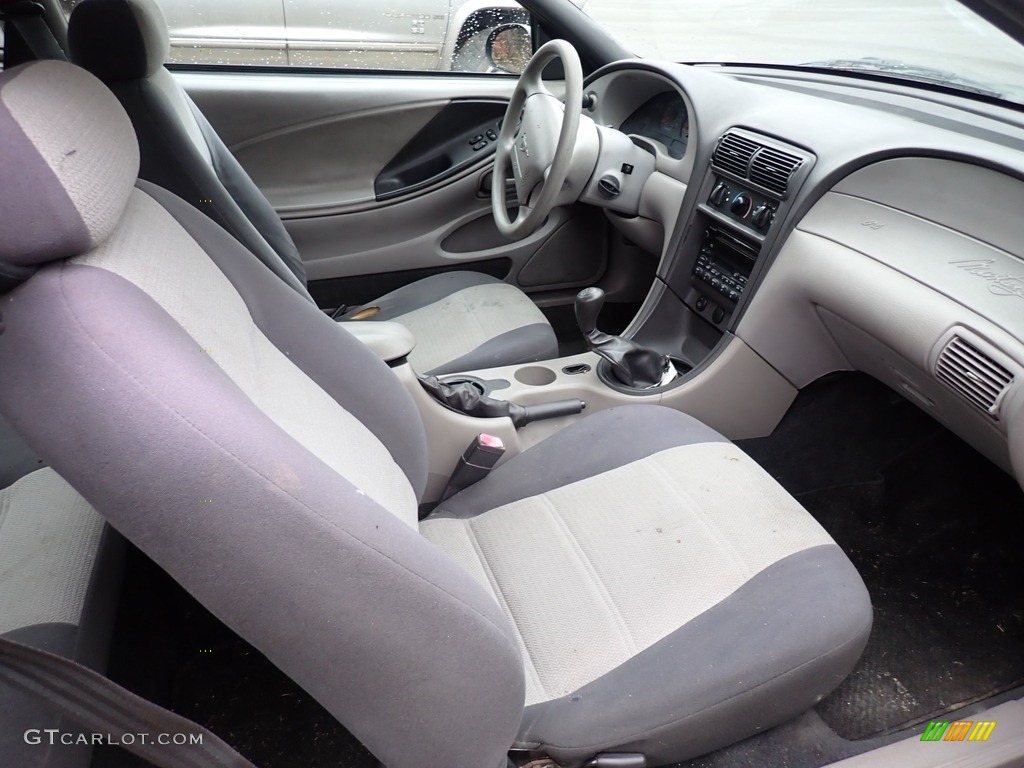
column 125, row 43
column 244, row 441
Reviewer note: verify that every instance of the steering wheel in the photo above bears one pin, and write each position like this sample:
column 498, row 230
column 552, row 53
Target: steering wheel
column 537, row 140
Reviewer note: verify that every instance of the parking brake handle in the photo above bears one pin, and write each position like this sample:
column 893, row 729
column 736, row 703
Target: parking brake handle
column 465, row 397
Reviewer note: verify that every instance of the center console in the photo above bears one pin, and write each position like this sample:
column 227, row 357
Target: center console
column 745, row 193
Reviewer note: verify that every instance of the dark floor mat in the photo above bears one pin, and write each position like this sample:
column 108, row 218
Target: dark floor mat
column 243, row 698
column 938, row 544
column 840, row 431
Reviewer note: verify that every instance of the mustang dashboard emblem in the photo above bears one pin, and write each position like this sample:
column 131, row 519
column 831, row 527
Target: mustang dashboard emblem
column 522, row 146
column 1000, row 284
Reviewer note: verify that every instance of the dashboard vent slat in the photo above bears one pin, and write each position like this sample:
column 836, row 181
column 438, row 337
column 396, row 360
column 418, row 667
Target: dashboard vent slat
column 974, row 375
column 758, row 162
column 773, row 168
column 734, row 153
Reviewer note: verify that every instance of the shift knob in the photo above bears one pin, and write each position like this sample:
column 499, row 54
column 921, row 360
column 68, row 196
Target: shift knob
column 588, row 306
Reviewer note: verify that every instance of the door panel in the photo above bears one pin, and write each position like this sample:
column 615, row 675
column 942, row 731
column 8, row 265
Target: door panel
column 317, row 143
column 330, row 164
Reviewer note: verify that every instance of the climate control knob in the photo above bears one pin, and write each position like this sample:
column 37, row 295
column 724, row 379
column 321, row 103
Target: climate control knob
column 763, row 216
column 720, row 194
column 741, row 205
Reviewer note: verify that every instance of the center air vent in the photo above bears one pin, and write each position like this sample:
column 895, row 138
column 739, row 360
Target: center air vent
column 773, row 168
column 973, row 374
column 734, row 153
column 747, row 158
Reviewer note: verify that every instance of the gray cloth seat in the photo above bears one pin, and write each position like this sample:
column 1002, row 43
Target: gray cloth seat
column 59, row 573
column 633, row 583
column 125, row 44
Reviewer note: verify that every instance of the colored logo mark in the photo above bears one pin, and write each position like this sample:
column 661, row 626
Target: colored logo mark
column 958, row 730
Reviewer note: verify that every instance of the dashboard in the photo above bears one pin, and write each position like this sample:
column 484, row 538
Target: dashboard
column 830, row 224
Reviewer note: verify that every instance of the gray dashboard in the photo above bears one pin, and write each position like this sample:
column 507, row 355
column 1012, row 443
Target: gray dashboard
column 896, row 248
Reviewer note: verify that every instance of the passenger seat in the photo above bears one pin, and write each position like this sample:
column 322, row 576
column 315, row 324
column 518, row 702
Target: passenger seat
column 60, row 567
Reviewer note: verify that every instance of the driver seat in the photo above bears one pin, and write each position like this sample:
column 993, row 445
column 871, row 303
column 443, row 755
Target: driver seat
column 125, row 44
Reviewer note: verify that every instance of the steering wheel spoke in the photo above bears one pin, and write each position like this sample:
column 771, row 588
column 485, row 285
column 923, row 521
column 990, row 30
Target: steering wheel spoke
column 537, row 140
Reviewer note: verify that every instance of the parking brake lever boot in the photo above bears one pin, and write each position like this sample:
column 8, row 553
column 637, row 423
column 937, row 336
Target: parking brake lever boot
column 633, row 365
column 464, row 397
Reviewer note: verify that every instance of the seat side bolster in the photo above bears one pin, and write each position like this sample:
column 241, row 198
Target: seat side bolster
column 331, row 357
column 526, row 344
column 767, row 640
column 171, row 160
column 247, row 196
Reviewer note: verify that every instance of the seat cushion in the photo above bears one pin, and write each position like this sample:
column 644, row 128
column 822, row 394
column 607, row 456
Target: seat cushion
column 59, row 568
column 669, row 596
column 49, row 537
column 464, row 321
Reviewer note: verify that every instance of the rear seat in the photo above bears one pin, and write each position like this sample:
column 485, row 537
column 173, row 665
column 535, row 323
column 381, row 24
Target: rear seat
column 60, row 570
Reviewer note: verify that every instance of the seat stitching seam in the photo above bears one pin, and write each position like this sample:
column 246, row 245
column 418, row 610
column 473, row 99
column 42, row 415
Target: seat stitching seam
column 589, row 568
column 214, row 444
column 467, row 309
column 499, row 593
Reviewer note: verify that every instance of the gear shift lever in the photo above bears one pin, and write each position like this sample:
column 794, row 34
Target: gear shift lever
column 588, row 306
column 633, row 365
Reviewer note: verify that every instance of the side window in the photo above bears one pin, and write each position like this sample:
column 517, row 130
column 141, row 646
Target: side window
column 410, row 35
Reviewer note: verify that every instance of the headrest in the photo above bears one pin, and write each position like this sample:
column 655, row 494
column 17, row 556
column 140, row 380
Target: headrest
column 118, row 39
column 68, row 162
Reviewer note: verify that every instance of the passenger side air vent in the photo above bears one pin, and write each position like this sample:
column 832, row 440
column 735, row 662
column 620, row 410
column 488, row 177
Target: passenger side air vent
column 734, row 153
column 773, row 168
column 973, row 374
column 747, row 158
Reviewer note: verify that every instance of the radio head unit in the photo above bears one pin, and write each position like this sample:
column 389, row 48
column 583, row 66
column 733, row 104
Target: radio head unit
column 724, row 263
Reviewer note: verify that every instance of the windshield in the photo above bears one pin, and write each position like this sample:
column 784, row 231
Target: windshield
column 933, row 41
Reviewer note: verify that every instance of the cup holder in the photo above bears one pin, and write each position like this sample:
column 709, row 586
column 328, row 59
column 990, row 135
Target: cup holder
column 535, row 376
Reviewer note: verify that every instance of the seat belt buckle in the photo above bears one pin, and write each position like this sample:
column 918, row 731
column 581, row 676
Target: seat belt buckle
column 475, row 463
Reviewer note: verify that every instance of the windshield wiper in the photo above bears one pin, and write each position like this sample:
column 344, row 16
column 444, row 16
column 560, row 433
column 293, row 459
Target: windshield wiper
column 905, row 71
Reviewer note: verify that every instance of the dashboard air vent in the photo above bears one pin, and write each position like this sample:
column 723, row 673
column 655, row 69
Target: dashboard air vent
column 745, row 157
column 773, row 168
column 734, row 153
column 973, row 374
